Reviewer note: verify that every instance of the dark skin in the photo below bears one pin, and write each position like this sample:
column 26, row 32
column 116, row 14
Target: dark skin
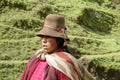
column 49, row 44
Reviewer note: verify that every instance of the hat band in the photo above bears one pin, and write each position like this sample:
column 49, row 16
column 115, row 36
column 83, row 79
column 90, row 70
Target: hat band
column 57, row 29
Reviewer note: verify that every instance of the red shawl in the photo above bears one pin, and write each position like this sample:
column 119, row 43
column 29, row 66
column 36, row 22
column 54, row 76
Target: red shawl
column 60, row 61
column 50, row 72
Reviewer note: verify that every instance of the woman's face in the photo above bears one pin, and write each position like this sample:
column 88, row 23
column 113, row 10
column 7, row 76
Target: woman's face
column 49, row 44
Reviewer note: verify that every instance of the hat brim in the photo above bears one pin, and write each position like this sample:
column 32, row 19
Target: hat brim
column 51, row 32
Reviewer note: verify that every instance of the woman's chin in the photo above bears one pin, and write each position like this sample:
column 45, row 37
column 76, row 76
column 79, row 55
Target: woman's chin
column 46, row 51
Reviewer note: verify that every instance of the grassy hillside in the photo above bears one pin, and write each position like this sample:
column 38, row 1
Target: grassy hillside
column 93, row 29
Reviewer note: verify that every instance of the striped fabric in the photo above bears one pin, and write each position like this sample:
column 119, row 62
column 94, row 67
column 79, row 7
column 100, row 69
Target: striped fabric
column 65, row 63
column 39, row 70
column 38, row 73
column 62, row 76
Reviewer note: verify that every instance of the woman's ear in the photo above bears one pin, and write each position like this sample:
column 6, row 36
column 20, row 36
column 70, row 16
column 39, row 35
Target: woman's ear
column 65, row 43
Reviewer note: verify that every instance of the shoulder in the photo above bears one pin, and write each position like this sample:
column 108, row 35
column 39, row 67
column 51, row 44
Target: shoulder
column 65, row 55
column 62, row 76
column 39, row 51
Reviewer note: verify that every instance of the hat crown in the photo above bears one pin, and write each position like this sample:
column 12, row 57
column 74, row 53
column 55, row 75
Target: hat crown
column 55, row 21
column 54, row 26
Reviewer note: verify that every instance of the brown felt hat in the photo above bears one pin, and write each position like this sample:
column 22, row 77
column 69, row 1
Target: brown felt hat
column 54, row 26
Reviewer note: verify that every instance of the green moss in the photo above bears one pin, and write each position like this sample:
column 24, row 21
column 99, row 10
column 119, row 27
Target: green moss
column 95, row 20
column 18, row 49
column 8, row 32
column 103, row 66
column 93, row 28
column 11, row 70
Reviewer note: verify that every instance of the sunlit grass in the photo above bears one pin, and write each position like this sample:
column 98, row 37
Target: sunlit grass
column 93, row 29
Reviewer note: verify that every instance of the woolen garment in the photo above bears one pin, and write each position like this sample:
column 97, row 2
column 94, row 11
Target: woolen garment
column 57, row 61
column 65, row 63
column 39, row 72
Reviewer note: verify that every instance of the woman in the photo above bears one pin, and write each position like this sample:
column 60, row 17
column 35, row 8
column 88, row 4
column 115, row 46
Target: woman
column 53, row 62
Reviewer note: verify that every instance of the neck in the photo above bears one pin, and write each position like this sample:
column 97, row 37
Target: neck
column 57, row 50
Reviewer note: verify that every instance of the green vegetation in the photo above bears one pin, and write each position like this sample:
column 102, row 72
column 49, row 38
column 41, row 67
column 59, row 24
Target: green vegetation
column 93, row 28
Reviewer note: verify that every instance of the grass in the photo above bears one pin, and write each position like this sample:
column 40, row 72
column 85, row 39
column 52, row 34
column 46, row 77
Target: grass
column 11, row 70
column 93, row 29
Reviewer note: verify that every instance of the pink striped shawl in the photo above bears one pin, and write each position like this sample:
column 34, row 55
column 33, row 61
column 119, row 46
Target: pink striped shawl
column 65, row 63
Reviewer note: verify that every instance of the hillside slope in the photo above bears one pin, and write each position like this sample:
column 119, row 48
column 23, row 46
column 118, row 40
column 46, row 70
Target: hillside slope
column 93, row 29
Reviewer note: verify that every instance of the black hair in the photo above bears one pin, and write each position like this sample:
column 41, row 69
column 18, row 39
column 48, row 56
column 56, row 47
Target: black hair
column 60, row 42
